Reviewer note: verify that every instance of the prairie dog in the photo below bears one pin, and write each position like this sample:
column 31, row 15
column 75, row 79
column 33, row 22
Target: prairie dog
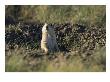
column 48, row 42
column 44, row 40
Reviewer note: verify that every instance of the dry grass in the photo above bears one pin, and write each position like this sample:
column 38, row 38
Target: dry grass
column 25, row 60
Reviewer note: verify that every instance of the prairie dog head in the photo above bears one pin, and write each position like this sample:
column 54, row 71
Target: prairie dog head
column 45, row 28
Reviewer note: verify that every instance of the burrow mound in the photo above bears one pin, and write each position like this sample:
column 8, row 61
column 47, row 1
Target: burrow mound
column 69, row 36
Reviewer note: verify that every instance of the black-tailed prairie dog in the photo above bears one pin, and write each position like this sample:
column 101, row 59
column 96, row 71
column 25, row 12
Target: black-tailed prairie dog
column 48, row 42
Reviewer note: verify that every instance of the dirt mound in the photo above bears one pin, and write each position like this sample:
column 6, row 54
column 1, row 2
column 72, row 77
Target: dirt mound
column 76, row 37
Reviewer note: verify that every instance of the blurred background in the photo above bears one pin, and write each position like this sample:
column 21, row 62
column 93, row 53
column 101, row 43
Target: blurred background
column 85, row 14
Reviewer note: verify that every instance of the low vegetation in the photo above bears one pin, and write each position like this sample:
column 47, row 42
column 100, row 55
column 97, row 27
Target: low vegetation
column 80, row 33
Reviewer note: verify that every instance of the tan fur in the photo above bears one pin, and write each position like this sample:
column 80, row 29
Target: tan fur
column 48, row 42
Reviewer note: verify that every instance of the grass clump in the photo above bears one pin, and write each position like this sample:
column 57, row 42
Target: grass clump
column 18, row 60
